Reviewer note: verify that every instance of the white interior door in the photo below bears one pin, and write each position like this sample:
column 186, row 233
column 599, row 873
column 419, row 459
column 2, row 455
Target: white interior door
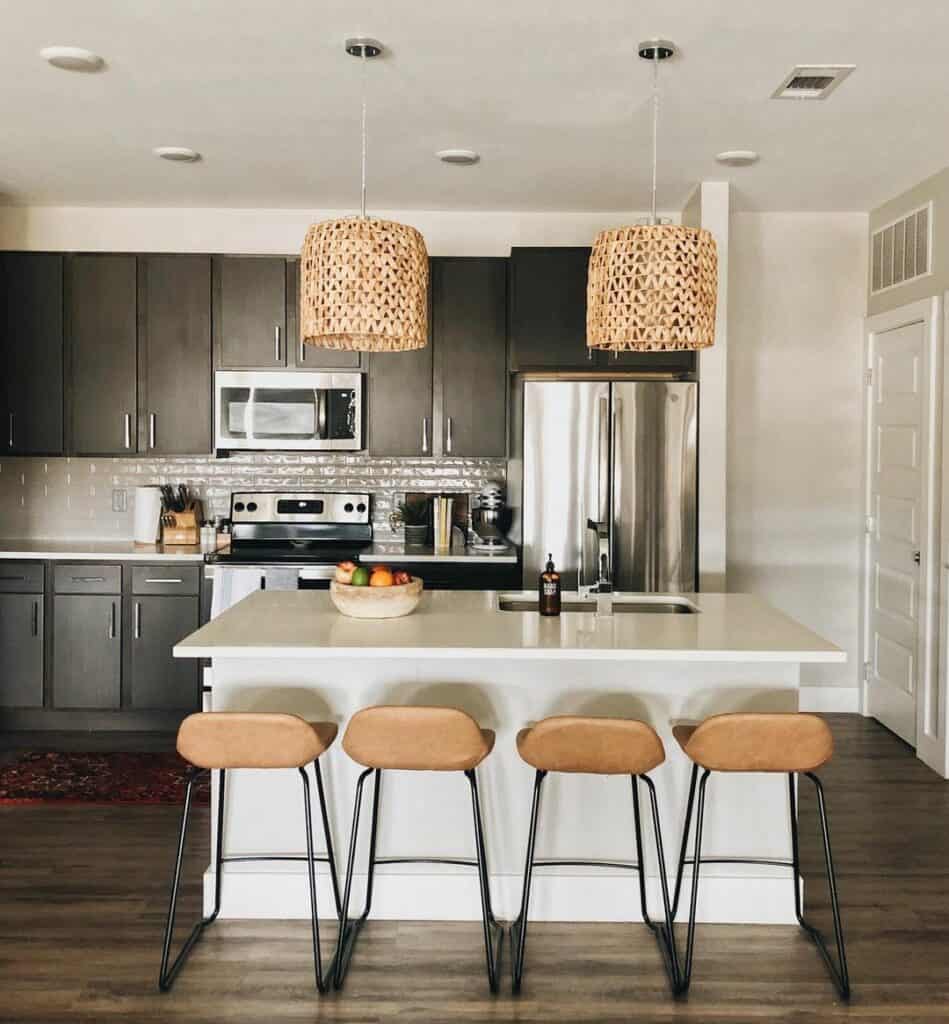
column 896, row 492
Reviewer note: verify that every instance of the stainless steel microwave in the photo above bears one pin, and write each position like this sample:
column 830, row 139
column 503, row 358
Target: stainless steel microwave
column 265, row 410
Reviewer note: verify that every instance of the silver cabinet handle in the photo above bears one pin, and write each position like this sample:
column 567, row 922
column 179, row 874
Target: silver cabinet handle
column 169, row 579
column 589, row 354
column 614, row 355
column 12, row 417
column 276, row 343
column 448, row 437
column 22, row 579
column 112, row 621
column 127, row 420
column 35, row 624
column 138, row 620
column 425, row 435
column 88, row 579
column 302, row 351
column 151, row 429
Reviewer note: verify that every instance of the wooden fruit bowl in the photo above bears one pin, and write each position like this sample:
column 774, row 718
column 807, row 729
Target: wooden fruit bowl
column 376, row 602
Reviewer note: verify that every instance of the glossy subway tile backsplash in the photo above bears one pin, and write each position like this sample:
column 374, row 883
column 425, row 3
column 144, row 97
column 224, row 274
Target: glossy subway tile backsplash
column 72, row 498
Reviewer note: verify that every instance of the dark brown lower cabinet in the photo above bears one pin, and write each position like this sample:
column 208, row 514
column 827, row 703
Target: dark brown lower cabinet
column 87, row 651
column 21, row 650
column 159, row 681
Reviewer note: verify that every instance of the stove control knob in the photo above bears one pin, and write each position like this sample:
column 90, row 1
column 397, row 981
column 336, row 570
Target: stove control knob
column 361, row 507
column 252, row 506
column 348, row 507
column 238, row 506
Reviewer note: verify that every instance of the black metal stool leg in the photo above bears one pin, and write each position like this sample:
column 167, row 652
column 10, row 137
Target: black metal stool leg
column 663, row 932
column 321, row 981
column 519, row 927
column 166, row 974
column 686, row 974
column 493, row 932
column 327, row 835
column 349, row 930
column 839, row 974
column 686, row 826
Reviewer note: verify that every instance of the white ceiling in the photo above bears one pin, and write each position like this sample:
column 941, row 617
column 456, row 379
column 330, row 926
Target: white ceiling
column 549, row 92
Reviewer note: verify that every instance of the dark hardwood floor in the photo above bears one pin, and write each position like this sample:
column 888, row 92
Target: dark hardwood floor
column 83, row 893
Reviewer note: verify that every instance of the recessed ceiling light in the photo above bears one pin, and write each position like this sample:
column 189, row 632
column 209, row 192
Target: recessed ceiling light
column 464, row 157
column 72, row 58
column 179, row 154
column 738, row 157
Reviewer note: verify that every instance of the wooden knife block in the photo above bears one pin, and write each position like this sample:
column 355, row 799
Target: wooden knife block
column 182, row 528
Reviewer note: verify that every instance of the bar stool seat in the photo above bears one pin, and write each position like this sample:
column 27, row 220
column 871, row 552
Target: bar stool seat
column 225, row 739
column 750, row 742
column 417, row 739
column 591, row 746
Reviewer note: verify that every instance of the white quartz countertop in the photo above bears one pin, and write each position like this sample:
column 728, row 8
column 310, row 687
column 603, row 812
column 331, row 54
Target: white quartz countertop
column 448, row 624
column 97, row 551
column 396, row 552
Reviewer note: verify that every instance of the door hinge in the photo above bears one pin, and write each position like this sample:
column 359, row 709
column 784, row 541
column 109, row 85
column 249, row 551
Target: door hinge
column 868, row 377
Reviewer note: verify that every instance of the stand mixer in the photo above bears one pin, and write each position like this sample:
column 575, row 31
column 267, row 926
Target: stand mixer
column 490, row 519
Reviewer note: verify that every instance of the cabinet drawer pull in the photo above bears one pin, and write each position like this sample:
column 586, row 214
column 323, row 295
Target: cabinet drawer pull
column 112, row 621
column 169, row 579
column 88, row 579
column 127, row 421
column 12, row 416
column 13, row 579
column 138, row 620
column 276, row 343
column 151, row 429
column 35, row 621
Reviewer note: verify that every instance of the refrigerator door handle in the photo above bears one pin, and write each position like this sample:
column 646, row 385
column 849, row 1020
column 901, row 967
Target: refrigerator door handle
column 602, row 462
column 614, row 421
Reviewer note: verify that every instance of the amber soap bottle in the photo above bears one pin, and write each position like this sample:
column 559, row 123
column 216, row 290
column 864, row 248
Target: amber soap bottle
column 549, row 589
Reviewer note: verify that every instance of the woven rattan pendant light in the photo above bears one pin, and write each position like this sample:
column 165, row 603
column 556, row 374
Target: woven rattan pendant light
column 364, row 281
column 652, row 287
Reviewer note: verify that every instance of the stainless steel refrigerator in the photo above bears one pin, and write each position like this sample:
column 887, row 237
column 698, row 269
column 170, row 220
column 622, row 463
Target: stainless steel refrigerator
column 618, row 453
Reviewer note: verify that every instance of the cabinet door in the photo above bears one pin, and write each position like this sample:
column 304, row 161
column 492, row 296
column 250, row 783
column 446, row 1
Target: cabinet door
column 549, row 308
column 307, row 357
column 21, row 650
column 469, row 344
column 400, row 402
column 174, row 354
column 31, row 353
column 160, row 681
column 87, row 650
column 250, row 312
column 101, row 354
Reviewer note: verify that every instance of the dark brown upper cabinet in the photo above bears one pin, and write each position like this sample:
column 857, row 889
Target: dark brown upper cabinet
column 309, row 357
column 469, row 331
column 399, row 402
column 101, row 375
column 31, row 353
column 548, row 317
column 174, row 354
column 250, row 312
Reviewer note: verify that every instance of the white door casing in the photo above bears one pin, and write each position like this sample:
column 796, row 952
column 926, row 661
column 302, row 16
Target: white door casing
column 901, row 551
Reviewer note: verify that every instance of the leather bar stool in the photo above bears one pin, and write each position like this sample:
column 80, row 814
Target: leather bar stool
column 222, row 741
column 790, row 743
column 595, row 746
column 415, row 739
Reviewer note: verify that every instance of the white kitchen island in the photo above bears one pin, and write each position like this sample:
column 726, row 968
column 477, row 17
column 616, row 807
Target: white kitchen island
column 293, row 652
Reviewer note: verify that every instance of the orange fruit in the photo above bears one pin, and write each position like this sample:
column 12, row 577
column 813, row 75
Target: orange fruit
column 380, row 577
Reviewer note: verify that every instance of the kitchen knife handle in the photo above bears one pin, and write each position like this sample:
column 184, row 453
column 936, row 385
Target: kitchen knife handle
column 127, row 423
column 151, row 429
column 276, row 343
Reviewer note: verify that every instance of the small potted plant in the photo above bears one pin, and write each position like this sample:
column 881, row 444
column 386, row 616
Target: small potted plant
column 415, row 522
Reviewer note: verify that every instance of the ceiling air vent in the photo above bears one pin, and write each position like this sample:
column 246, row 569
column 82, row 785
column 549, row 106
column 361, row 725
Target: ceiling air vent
column 901, row 251
column 812, row 81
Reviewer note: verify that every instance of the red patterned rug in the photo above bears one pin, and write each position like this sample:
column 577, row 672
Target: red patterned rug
column 157, row 778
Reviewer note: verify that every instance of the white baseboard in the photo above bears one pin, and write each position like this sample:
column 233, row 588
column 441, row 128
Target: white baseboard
column 282, row 894
column 830, row 699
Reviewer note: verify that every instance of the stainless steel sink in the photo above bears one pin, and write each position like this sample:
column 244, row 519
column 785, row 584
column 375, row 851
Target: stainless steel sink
column 621, row 605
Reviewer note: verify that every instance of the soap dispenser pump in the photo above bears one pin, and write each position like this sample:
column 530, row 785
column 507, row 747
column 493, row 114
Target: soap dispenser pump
column 549, row 589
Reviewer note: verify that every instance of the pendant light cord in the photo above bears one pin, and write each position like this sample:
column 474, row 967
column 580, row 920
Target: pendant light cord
column 362, row 205
column 655, row 127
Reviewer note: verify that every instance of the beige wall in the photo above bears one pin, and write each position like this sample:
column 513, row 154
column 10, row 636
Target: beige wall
column 935, row 189
column 797, row 290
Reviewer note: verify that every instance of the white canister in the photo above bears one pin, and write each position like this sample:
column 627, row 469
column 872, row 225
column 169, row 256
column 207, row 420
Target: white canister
column 147, row 514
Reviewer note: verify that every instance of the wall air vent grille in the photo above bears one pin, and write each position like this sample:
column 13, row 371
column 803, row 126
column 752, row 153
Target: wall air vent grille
column 812, row 81
column 901, row 251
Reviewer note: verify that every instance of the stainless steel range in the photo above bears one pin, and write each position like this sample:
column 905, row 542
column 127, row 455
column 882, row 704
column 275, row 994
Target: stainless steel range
column 285, row 540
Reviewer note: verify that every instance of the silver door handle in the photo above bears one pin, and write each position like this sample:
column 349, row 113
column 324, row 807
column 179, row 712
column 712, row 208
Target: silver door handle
column 448, row 437
column 602, row 461
column 169, row 579
column 276, row 343
column 88, row 579
column 581, row 537
column 12, row 415
column 302, row 351
column 138, row 620
column 35, row 624
column 425, row 435
column 127, row 420
column 112, row 621
column 151, row 429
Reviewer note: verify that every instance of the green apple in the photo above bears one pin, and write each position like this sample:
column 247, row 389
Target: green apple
column 360, row 577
